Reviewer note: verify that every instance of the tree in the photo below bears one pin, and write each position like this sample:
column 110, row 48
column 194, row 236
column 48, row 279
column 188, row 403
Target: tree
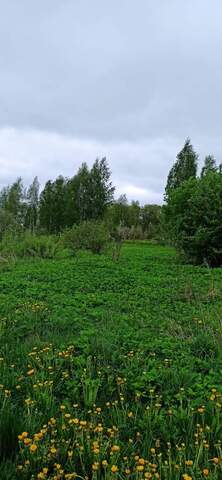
column 46, row 207
column 82, row 195
column 193, row 219
column 3, row 197
column 101, row 189
column 89, row 193
column 58, row 204
column 151, row 220
column 7, row 222
column 13, row 200
column 32, row 200
column 52, row 206
column 134, row 214
column 184, row 168
column 209, row 165
column 117, row 214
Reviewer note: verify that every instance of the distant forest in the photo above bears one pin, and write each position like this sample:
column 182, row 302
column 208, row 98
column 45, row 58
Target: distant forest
column 65, row 202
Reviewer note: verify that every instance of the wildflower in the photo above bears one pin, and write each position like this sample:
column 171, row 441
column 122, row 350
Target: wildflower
column 216, row 460
column 140, row 468
column 83, row 423
column 27, row 441
column 148, row 475
column 189, row 463
column 38, row 436
column 205, row 472
column 23, row 435
column 53, row 450
column 104, row 463
column 30, row 372
column 115, row 448
column 33, row 448
column 114, row 469
column 201, row 409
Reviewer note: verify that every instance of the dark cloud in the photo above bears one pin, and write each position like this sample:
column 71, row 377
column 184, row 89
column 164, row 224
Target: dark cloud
column 131, row 78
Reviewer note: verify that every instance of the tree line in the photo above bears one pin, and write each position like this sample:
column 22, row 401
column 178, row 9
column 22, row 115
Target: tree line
column 65, row 202
column 190, row 218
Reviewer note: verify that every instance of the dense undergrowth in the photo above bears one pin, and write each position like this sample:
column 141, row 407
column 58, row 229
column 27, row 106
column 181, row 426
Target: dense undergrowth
column 110, row 370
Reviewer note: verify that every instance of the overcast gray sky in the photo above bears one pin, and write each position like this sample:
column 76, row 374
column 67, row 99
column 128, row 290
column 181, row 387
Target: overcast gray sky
column 125, row 79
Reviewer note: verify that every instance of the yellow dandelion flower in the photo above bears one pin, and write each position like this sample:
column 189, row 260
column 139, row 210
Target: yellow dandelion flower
column 114, row 469
column 127, row 471
column 140, row 468
column 115, row 448
column 33, row 448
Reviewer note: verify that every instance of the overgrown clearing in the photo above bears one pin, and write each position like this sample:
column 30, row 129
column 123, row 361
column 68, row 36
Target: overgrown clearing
column 111, row 366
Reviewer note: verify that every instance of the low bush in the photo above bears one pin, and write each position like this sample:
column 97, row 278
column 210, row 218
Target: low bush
column 93, row 236
column 28, row 245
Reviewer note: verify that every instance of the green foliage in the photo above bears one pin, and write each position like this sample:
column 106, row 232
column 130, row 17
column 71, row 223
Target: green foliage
column 52, row 206
column 193, row 219
column 29, row 245
column 85, row 196
column 209, row 165
column 184, row 168
column 92, row 236
column 151, row 220
column 32, row 201
column 7, row 223
column 135, row 222
column 113, row 353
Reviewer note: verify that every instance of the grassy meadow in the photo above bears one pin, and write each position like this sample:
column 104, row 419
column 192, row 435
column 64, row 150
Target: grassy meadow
column 110, row 369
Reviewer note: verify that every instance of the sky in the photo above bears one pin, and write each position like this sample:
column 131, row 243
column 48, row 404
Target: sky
column 125, row 79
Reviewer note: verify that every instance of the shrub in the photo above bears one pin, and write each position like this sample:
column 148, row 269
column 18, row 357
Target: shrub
column 193, row 219
column 28, row 245
column 92, row 236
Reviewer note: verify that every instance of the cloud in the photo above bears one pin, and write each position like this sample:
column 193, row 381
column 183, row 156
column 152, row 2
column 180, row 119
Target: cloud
column 127, row 79
column 27, row 153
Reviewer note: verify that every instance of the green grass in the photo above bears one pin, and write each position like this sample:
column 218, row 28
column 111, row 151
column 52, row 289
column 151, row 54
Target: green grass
column 139, row 339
